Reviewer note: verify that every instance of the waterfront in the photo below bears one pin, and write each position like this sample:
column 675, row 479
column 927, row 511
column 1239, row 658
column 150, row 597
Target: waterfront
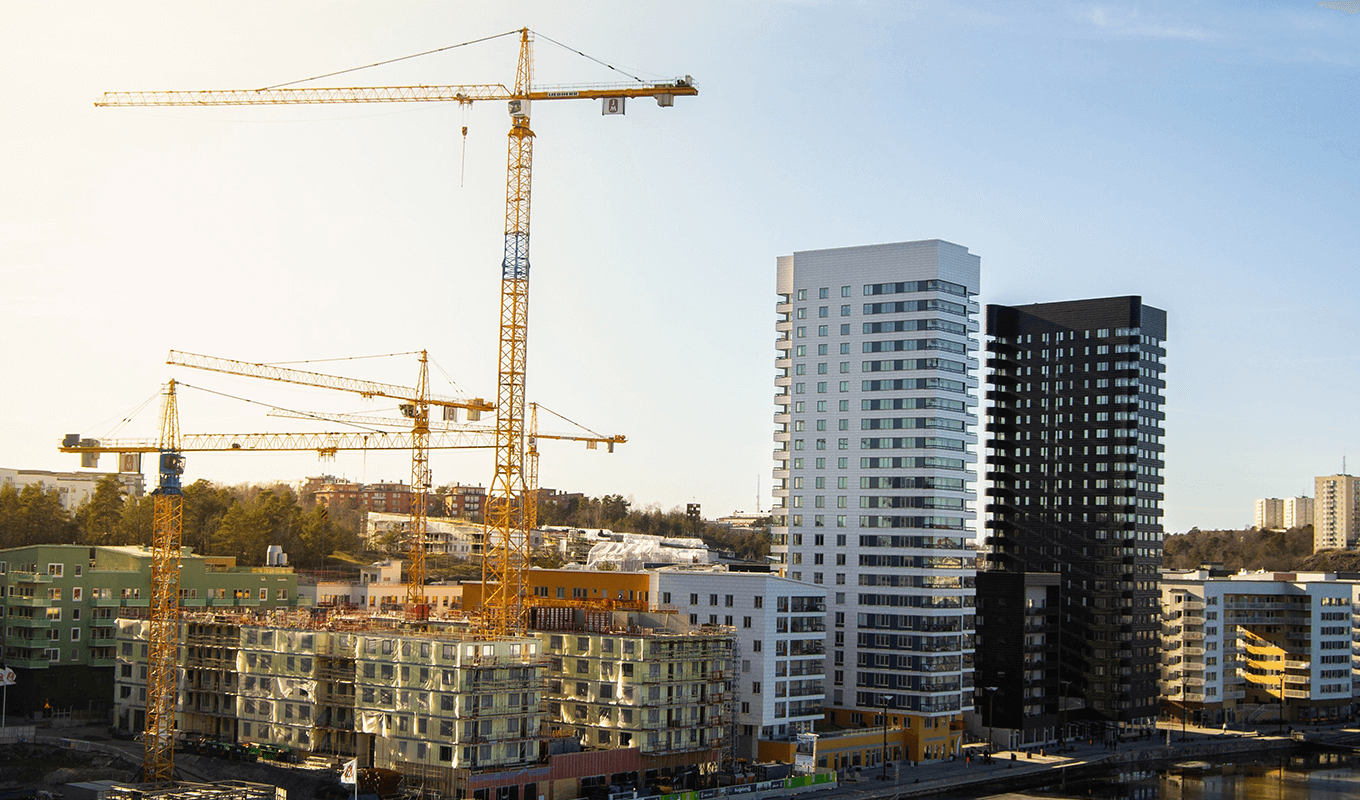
column 1315, row 775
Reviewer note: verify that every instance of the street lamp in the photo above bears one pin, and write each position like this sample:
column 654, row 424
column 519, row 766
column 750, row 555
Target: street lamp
column 991, row 715
column 1281, row 725
column 1063, row 735
column 883, row 704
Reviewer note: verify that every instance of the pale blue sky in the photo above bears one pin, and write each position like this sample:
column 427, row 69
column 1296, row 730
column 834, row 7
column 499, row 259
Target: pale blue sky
column 1201, row 154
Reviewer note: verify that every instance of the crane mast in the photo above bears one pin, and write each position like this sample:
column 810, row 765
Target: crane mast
column 507, row 536
column 158, row 764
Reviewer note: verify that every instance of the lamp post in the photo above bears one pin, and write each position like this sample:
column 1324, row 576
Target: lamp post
column 1065, row 685
column 1183, row 699
column 883, row 703
column 1281, row 725
column 991, row 715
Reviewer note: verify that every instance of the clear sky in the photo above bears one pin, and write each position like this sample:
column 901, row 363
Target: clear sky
column 1201, row 154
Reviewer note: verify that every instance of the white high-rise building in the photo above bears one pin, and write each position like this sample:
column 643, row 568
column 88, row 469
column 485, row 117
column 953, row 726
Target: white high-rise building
column 1269, row 514
column 1298, row 511
column 875, row 437
column 1336, row 512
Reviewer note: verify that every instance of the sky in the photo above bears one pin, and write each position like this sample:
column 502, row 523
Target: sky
column 1202, row 155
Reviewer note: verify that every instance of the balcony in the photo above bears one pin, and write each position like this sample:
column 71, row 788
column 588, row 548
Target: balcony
column 29, row 577
column 29, row 602
column 29, row 622
column 33, row 662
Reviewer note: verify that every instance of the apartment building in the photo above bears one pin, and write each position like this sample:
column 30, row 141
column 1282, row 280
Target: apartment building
column 634, row 679
column 381, row 588
column 1020, row 698
column 1269, row 514
column 447, row 712
column 465, row 502
column 781, row 628
column 76, row 488
column 1075, row 455
column 60, row 604
column 1336, row 512
column 1234, row 645
column 876, row 390
column 1298, row 511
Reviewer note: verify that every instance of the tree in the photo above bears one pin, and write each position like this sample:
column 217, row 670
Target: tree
column 204, row 506
column 34, row 515
column 99, row 516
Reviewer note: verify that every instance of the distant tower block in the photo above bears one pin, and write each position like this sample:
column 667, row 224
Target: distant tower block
column 692, row 511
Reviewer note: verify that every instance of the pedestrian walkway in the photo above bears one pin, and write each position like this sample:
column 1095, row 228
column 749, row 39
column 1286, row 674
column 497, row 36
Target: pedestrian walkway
column 971, row 772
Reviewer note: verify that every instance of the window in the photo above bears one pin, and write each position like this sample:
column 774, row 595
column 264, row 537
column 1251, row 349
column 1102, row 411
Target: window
column 745, row 622
column 76, row 591
column 55, row 570
column 845, row 291
column 755, row 687
column 755, row 645
column 713, row 600
column 802, row 294
column 821, row 330
column 759, row 601
column 845, row 311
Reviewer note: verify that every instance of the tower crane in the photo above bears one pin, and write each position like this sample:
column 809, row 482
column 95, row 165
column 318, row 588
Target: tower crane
column 415, row 406
column 531, row 458
column 167, row 530
column 167, row 525
column 507, row 537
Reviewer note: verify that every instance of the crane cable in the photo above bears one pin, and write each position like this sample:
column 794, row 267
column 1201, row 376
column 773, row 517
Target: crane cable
column 308, row 414
column 390, row 61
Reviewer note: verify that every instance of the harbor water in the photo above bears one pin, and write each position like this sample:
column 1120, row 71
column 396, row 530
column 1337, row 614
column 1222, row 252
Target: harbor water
column 1297, row 776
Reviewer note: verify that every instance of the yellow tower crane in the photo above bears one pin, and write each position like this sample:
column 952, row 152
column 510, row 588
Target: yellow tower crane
column 415, row 406
column 531, row 457
column 507, row 537
column 531, row 451
column 167, row 525
column 158, row 765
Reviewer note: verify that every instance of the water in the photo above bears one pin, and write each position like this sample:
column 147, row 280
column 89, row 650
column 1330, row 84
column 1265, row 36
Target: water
column 1311, row 776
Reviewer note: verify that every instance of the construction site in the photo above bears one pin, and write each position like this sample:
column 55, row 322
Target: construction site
column 519, row 695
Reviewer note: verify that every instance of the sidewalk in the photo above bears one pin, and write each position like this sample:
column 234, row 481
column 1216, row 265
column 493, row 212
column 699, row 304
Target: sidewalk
column 934, row 777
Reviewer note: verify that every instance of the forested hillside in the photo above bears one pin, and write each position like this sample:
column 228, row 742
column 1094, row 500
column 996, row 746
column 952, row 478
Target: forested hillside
column 1242, row 549
column 238, row 521
column 617, row 514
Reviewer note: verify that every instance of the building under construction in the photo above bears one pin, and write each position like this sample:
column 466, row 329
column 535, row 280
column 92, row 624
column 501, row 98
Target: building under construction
column 631, row 679
column 441, row 708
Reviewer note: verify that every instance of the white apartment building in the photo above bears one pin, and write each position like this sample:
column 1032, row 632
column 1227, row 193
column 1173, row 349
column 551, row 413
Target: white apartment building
column 380, row 588
column 74, row 488
column 1233, row 644
column 1336, row 512
column 1269, row 514
column 875, row 442
column 1298, row 511
column 781, row 643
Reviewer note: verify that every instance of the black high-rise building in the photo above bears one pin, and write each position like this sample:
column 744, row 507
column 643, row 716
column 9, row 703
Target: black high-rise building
column 1074, row 457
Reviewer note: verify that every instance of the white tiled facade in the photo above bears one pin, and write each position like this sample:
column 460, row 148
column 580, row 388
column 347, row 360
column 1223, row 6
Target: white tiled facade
column 875, row 450
column 781, row 643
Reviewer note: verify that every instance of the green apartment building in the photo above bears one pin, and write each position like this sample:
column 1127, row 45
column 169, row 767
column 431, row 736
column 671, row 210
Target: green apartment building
column 60, row 604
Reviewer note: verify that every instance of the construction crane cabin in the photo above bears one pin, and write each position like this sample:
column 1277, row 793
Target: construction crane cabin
column 506, row 538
